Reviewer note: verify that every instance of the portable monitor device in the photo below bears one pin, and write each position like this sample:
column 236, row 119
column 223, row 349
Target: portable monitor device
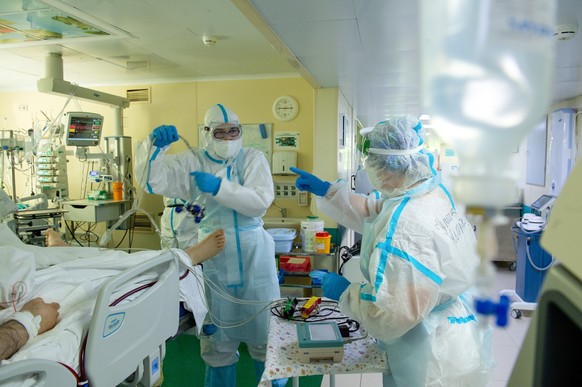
column 83, row 129
column 319, row 342
column 543, row 206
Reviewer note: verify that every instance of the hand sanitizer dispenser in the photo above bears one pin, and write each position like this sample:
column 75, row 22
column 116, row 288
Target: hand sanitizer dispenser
column 283, row 161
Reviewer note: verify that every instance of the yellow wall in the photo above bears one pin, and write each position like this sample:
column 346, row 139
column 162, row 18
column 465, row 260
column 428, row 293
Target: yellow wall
column 180, row 104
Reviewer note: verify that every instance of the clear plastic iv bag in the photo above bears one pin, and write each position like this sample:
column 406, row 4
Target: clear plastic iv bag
column 486, row 72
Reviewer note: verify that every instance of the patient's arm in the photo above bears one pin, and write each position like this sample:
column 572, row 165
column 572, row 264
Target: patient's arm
column 207, row 248
column 49, row 313
column 13, row 335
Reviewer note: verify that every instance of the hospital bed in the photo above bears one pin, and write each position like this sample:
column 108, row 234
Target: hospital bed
column 119, row 329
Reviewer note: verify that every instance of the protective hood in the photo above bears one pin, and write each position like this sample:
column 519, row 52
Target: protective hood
column 218, row 115
column 396, row 162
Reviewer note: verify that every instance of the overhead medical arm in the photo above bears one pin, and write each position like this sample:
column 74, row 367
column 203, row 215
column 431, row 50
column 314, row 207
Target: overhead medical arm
column 53, row 83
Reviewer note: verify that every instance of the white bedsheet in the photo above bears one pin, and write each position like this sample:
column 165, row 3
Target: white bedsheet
column 72, row 277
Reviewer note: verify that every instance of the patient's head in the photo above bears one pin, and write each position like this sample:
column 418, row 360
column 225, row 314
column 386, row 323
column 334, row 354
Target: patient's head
column 16, row 277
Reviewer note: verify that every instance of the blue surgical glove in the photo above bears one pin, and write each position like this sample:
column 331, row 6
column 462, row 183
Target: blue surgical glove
column 207, row 182
column 334, row 285
column 308, row 182
column 164, row 135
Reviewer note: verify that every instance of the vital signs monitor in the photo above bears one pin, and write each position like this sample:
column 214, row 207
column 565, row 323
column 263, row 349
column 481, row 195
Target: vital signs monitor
column 83, row 129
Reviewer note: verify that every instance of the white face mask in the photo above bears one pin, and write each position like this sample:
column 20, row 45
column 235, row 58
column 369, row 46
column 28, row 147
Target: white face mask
column 374, row 178
column 227, row 149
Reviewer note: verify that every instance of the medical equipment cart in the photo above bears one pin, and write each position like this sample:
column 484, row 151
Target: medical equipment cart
column 532, row 264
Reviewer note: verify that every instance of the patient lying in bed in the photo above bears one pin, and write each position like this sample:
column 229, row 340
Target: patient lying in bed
column 200, row 252
column 72, row 276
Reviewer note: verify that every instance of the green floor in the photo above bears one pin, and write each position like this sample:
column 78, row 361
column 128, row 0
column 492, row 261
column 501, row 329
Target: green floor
column 183, row 366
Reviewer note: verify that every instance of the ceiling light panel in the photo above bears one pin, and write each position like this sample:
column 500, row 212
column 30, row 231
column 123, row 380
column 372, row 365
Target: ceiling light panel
column 48, row 22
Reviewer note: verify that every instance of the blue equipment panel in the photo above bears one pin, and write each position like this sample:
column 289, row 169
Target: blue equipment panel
column 529, row 279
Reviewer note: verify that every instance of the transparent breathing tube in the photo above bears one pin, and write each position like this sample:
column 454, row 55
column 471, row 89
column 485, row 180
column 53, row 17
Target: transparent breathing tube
column 196, row 205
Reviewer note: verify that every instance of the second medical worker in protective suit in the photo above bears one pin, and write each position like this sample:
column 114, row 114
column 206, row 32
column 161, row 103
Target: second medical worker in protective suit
column 418, row 256
column 177, row 225
column 236, row 185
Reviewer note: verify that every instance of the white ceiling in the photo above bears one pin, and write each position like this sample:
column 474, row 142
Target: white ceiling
column 367, row 48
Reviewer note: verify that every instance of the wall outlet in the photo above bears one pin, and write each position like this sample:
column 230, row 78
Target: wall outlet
column 285, row 191
column 303, row 198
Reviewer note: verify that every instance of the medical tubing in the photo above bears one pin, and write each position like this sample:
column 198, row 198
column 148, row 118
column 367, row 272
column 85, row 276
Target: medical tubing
column 531, row 260
column 233, row 324
column 517, row 230
column 53, row 127
column 107, row 234
column 139, row 193
column 82, row 373
column 71, row 370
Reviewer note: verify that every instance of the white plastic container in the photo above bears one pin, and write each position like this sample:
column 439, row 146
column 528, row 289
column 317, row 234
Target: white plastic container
column 283, row 238
column 308, row 229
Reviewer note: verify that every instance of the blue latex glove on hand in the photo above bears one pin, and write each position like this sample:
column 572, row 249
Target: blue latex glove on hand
column 164, row 135
column 308, row 182
column 207, row 182
column 334, row 285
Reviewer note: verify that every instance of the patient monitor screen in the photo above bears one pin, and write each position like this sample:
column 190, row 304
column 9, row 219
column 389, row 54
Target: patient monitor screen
column 83, row 129
column 322, row 332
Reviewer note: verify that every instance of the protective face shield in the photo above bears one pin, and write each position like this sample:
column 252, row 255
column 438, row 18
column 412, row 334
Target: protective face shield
column 396, row 161
column 222, row 132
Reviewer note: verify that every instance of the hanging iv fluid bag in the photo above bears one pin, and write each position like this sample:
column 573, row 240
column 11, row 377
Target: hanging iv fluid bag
column 486, row 72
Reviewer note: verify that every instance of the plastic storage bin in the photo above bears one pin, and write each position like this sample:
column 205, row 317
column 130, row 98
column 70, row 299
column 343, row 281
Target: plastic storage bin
column 295, row 264
column 283, row 238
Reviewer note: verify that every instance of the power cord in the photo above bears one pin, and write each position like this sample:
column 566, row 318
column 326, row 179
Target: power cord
column 346, row 253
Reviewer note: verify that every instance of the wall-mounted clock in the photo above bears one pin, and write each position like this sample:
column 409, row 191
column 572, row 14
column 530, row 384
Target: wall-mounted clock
column 285, row 108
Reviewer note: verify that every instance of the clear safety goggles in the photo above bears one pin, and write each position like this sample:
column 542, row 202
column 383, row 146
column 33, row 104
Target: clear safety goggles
column 231, row 133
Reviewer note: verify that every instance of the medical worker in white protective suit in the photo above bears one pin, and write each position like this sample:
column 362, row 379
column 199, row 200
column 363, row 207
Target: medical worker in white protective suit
column 177, row 225
column 237, row 188
column 418, row 256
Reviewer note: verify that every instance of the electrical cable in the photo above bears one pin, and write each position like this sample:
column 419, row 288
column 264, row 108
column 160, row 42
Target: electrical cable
column 72, row 232
column 346, row 253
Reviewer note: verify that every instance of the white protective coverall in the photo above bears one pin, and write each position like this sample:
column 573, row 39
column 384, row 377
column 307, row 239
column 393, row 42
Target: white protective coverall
column 178, row 227
column 418, row 257
column 246, row 268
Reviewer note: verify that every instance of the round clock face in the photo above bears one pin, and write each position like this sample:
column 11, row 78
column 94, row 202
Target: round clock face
column 285, row 108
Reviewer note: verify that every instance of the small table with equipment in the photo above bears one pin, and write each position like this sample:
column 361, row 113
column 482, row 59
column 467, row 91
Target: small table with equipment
column 31, row 223
column 284, row 359
column 94, row 210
